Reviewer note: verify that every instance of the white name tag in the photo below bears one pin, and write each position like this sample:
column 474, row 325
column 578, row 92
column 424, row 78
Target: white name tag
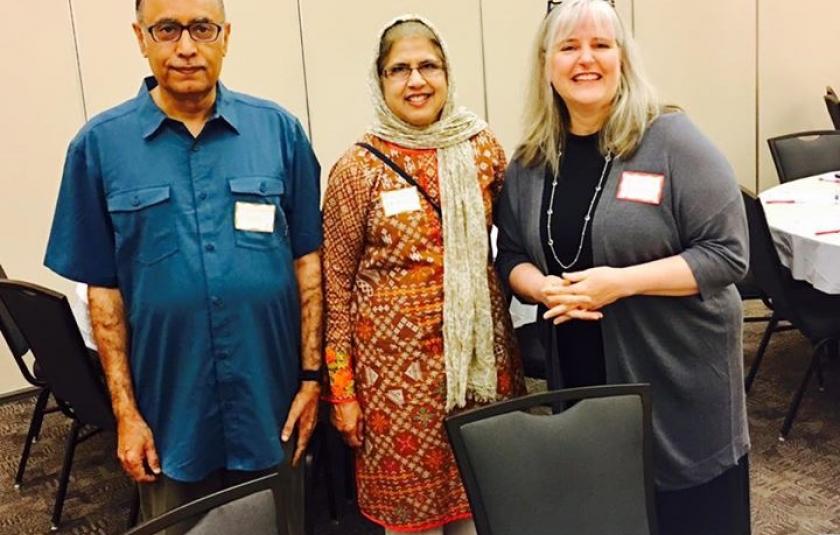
column 254, row 217
column 641, row 187
column 400, row 201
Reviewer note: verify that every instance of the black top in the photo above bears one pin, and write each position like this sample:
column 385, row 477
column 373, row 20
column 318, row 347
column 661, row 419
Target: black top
column 579, row 341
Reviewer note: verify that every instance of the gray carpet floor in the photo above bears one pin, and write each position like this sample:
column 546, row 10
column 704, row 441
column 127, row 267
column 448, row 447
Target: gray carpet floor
column 795, row 484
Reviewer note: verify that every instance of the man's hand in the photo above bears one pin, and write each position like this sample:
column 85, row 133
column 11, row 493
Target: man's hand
column 304, row 414
column 347, row 418
column 136, row 449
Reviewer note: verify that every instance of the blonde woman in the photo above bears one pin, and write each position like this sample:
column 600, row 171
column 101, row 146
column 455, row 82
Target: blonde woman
column 625, row 225
column 416, row 322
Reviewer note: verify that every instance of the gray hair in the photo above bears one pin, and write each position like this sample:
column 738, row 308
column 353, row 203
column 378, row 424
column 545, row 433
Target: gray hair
column 546, row 117
column 138, row 8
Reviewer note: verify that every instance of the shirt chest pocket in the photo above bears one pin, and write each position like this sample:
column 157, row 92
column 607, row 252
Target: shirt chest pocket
column 259, row 190
column 144, row 223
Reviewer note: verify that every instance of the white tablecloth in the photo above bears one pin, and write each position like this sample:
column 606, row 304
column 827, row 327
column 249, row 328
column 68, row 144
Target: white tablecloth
column 797, row 213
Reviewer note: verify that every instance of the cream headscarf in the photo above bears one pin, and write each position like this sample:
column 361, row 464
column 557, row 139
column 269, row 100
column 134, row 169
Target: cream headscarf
column 467, row 319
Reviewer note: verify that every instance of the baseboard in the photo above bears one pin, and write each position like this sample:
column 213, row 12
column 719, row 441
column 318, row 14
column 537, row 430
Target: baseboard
column 17, row 395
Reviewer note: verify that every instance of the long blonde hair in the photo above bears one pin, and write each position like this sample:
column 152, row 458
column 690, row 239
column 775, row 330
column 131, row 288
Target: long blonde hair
column 546, row 117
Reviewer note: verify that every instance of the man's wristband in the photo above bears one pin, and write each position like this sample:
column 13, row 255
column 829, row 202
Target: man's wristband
column 310, row 375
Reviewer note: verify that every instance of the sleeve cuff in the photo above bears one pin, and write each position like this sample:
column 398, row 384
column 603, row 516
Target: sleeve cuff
column 342, row 381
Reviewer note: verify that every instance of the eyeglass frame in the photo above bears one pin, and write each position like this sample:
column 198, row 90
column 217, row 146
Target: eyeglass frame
column 182, row 27
column 439, row 67
column 551, row 4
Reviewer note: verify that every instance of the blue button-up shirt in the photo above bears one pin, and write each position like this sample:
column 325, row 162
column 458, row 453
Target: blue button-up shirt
column 213, row 311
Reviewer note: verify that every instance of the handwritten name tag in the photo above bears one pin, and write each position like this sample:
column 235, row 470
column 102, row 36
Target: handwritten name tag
column 254, row 217
column 641, row 187
column 400, row 201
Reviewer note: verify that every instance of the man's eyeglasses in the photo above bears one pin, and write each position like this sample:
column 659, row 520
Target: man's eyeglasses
column 402, row 71
column 554, row 3
column 170, row 32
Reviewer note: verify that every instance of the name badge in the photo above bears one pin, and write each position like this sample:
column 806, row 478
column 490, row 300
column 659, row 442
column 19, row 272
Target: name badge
column 254, row 217
column 400, row 201
column 641, row 187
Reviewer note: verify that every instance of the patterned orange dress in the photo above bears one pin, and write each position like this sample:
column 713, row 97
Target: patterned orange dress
column 384, row 293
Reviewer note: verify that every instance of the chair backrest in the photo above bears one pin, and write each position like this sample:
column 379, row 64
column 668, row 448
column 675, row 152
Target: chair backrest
column 586, row 470
column 765, row 265
column 805, row 153
column 15, row 340
column 832, row 104
column 45, row 320
column 247, row 508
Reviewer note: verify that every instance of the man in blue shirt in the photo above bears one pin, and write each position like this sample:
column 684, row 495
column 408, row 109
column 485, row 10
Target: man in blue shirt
column 193, row 213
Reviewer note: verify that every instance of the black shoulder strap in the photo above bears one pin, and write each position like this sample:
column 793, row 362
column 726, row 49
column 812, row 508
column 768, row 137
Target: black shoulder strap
column 399, row 170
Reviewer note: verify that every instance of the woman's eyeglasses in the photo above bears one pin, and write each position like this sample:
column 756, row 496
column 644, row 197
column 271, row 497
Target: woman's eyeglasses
column 402, row 71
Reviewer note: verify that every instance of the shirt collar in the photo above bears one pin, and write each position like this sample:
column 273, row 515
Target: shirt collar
column 152, row 117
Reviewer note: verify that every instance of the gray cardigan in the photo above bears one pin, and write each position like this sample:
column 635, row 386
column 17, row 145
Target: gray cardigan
column 687, row 348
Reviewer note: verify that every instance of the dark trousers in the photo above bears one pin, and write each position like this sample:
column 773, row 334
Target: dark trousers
column 718, row 507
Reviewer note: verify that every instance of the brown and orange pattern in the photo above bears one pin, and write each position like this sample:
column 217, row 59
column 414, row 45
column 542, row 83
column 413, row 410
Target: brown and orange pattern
column 384, row 291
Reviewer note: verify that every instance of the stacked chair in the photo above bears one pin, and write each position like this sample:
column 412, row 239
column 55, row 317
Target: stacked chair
column 19, row 348
column 40, row 319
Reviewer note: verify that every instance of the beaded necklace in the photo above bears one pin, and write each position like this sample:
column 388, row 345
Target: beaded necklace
column 586, row 218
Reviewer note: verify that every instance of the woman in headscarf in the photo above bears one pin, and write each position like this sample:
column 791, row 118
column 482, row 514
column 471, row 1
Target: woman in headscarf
column 626, row 226
column 416, row 321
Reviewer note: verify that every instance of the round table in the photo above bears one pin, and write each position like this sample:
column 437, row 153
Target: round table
column 804, row 220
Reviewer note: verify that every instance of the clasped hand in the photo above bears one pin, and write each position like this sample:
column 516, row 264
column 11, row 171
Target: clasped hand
column 581, row 294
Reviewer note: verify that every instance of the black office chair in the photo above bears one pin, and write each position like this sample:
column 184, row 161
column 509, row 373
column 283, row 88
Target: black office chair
column 832, row 104
column 49, row 328
column 587, row 470
column 804, row 154
column 19, row 348
column 814, row 313
column 250, row 507
column 749, row 290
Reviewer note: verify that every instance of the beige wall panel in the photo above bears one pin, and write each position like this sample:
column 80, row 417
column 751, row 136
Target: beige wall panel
column 264, row 57
column 797, row 59
column 41, row 105
column 509, row 33
column 339, row 41
column 110, row 61
column 625, row 12
column 701, row 56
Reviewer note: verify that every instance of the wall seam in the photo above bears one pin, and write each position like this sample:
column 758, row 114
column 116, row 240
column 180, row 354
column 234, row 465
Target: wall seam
column 305, row 79
column 483, row 61
column 757, row 98
column 78, row 59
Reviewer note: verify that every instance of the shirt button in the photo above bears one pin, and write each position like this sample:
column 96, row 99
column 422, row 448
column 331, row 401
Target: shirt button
column 202, row 196
column 223, row 354
column 209, row 247
column 195, row 148
column 135, row 201
column 217, row 301
column 263, row 187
